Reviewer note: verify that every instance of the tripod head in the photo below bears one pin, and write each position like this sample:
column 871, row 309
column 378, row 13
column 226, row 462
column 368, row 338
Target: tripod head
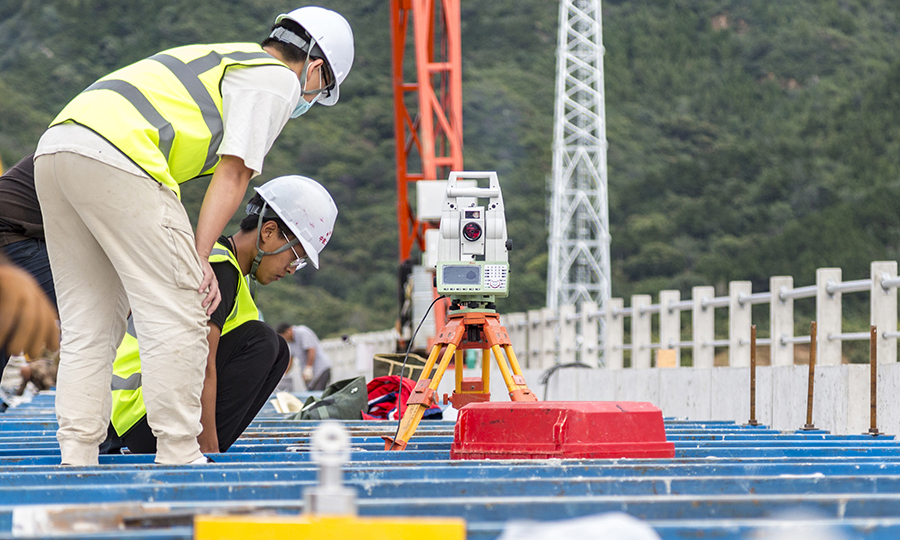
column 473, row 258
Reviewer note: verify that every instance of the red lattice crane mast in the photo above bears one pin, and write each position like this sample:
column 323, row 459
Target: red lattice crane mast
column 427, row 119
column 428, row 110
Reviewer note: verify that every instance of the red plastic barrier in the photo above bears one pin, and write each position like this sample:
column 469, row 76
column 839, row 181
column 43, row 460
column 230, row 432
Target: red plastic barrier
column 560, row 429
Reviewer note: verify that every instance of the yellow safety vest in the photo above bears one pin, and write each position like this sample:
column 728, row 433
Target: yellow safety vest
column 244, row 307
column 127, row 392
column 165, row 112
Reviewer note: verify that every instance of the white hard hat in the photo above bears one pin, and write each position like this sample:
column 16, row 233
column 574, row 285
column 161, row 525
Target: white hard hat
column 305, row 207
column 333, row 36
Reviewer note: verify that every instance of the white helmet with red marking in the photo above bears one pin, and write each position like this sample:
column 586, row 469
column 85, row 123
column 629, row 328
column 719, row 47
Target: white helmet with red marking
column 306, row 207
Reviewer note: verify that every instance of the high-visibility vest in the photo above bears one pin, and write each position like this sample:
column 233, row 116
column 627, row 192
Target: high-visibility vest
column 127, row 394
column 165, row 112
column 127, row 390
column 244, row 307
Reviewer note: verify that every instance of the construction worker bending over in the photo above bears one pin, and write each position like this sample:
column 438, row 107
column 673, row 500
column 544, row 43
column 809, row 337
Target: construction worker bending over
column 289, row 220
column 107, row 174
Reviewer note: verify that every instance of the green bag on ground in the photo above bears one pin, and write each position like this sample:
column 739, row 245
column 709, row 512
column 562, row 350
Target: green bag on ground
column 342, row 400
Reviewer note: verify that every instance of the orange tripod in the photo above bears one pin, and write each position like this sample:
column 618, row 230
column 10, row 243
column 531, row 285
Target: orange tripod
column 464, row 330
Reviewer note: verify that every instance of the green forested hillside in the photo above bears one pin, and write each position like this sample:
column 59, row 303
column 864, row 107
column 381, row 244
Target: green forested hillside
column 767, row 146
column 746, row 139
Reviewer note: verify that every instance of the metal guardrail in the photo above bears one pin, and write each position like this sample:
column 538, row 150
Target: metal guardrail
column 597, row 337
column 800, row 292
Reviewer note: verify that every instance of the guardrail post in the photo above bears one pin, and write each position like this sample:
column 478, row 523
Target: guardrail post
column 704, row 322
column 535, row 339
column 781, row 318
column 613, row 354
column 548, row 329
column 884, row 310
column 640, row 331
column 517, row 326
column 568, row 334
column 589, row 334
column 739, row 320
column 670, row 323
column 828, row 317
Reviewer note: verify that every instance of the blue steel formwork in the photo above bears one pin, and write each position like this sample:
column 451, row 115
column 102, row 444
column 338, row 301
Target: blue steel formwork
column 726, row 481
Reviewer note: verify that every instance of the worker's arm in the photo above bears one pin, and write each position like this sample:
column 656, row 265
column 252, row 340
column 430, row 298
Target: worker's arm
column 27, row 318
column 308, row 366
column 228, row 278
column 209, row 437
column 225, row 193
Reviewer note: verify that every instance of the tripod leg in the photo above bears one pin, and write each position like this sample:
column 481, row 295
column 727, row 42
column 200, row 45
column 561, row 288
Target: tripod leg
column 486, row 371
column 513, row 361
column 459, row 371
column 429, row 364
column 415, row 411
column 504, row 368
column 515, row 383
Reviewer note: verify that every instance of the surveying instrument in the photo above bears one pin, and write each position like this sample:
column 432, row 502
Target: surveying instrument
column 473, row 270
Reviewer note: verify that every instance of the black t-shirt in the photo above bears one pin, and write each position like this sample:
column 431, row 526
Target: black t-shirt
column 20, row 213
column 228, row 277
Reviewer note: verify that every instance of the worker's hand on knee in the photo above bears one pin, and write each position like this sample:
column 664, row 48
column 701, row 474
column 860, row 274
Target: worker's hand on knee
column 210, row 286
column 307, row 374
column 27, row 318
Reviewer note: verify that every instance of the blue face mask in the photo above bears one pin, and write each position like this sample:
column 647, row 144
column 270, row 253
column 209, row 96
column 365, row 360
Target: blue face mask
column 302, row 107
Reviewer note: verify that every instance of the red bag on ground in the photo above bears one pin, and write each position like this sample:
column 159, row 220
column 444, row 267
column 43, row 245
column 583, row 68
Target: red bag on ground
column 383, row 399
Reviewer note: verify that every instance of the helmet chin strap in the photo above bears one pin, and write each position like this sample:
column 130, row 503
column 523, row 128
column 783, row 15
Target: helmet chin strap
column 260, row 253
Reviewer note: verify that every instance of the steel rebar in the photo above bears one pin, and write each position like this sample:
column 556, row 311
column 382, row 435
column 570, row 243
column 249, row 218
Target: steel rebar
column 873, row 374
column 752, row 421
column 812, row 377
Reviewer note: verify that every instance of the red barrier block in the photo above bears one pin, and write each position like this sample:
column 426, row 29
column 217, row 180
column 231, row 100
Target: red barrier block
column 560, row 429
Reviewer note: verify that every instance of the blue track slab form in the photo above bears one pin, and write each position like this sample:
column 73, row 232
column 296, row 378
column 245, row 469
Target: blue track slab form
column 726, row 481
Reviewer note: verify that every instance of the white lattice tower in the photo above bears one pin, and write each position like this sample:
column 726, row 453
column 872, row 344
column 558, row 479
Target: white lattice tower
column 579, row 269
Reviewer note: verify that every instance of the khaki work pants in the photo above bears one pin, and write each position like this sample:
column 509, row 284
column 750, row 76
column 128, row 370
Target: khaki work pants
column 118, row 241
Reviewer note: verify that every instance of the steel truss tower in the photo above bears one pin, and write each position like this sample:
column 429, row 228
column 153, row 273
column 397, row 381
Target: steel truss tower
column 579, row 268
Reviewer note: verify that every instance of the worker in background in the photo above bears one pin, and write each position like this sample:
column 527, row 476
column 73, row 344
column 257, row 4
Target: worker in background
column 22, row 232
column 307, row 351
column 107, row 174
column 289, row 220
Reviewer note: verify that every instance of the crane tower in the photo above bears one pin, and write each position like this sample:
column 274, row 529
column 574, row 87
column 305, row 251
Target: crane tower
column 427, row 79
column 579, row 268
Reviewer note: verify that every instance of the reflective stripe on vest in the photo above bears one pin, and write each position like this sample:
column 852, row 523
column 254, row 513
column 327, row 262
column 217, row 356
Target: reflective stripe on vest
column 133, row 382
column 128, row 398
column 127, row 393
column 177, row 91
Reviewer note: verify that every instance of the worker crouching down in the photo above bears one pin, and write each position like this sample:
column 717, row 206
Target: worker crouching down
column 289, row 221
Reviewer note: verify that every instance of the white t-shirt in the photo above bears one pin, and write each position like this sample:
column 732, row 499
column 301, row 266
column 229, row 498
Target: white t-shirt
column 257, row 103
